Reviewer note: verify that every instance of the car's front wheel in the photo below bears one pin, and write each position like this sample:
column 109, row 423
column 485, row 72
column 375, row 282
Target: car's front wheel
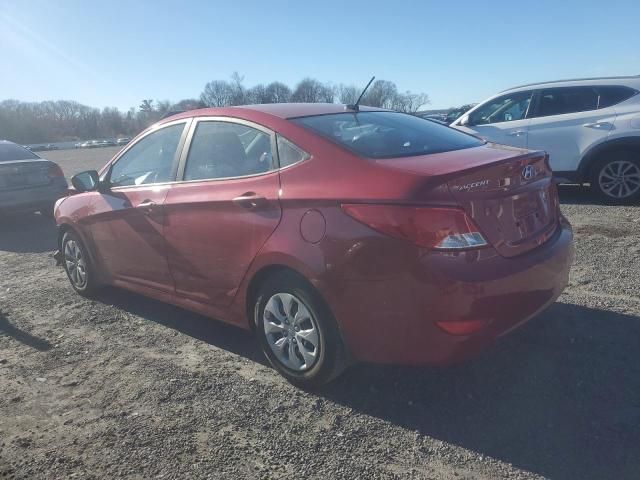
column 615, row 177
column 297, row 331
column 77, row 264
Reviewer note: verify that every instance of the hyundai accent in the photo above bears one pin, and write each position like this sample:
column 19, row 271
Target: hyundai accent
column 337, row 234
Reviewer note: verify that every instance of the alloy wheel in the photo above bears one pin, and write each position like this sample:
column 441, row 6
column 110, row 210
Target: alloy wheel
column 291, row 332
column 620, row 179
column 75, row 263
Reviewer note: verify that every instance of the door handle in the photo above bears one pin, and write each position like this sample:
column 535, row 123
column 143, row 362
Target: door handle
column 597, row 125
column 146, row 206
column 516, row 133
column 249, row 200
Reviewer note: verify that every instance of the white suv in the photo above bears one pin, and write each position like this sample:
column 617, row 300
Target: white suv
column 590, row 128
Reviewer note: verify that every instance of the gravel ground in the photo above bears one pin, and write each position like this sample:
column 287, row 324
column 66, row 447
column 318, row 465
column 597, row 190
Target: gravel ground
column 124, row 386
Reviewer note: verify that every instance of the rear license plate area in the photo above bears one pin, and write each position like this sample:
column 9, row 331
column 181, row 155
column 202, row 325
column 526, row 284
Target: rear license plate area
column 525, row 206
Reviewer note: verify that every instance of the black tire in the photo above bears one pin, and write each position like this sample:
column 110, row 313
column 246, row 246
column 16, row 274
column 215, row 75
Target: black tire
column 601, row 177
column 88, row 285
column 330, row 357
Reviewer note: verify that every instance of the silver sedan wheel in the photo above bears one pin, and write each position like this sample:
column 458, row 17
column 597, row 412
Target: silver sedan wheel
column 620, row 179
column 75, row 263
column 291, row 332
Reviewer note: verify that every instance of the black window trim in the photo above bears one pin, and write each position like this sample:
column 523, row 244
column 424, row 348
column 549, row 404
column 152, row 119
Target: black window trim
column 182, row 163
column 106, row 176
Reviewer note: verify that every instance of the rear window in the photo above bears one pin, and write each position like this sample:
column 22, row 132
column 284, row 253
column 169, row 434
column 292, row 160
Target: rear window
column 611, row 95
column 559, row 101
column 10, row 151
column 387, row 134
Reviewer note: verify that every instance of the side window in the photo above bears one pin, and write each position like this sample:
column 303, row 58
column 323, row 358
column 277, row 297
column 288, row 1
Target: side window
column 150, row 160
column 225, row 149
column 610, row 95
column 288, row 153
column 559, row 101
column 507, row 108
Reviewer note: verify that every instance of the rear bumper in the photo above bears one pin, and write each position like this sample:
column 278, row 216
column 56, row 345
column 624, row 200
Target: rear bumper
column 393, row 320
column 32, row 198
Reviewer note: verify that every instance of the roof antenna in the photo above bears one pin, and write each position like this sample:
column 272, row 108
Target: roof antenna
column 356, row 106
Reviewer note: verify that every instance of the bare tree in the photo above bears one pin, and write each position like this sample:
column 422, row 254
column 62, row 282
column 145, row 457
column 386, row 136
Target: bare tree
column 146, row 105
column 238, row 92
column 217, row 93
column 278, row 92
column 188, row 104
column 409, row 102
column 310, row 90
column 257, row 94
column 163, row 106
column 382, row 93
column 348, row 94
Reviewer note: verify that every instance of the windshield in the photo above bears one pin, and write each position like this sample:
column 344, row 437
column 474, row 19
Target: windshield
column 11, row 151
column 387, row 134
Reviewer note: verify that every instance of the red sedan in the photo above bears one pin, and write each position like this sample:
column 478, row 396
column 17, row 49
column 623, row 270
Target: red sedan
column 336, row 234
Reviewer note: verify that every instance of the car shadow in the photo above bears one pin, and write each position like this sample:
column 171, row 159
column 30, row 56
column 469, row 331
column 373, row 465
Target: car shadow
column 205, row 329
column 27, row 233
column 10, row 330
column 559, row 397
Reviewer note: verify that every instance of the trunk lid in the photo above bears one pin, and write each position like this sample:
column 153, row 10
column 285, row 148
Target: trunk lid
column 509, row 193
column 20, row 174
column 513, row 202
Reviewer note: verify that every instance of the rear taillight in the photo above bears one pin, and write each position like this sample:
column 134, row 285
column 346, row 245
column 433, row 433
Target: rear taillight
column 431, row 227
column 55, row 171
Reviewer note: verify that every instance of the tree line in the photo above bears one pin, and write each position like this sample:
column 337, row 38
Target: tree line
column 382, row 93
column 67, row 120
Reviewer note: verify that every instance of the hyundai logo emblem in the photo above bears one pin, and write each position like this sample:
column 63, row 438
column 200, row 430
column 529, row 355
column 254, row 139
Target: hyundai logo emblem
column 528, row 172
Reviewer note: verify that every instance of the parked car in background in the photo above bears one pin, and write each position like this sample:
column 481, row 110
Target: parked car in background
column 434, row 118
column 335, row 234
column 123, row 141
column 96, row 144
column 589, row 127
column 28, row 182
column 456, row 113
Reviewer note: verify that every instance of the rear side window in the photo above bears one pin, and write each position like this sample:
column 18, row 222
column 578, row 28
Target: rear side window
column 227, row 150
column 11, row 151
column 387, row 134
column 559, row 101
column 289, row 153
column 611, row 95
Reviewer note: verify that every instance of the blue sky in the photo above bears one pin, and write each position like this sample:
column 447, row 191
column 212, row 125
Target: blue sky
column 115, row 53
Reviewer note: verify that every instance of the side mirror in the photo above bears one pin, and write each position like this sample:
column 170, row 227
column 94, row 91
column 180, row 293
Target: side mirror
column 86, row 181
column 464, row 121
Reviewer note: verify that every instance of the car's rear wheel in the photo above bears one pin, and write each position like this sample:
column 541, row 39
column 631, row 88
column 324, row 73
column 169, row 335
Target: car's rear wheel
column 77, row 264
column 297, row 331
column 615, row 177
